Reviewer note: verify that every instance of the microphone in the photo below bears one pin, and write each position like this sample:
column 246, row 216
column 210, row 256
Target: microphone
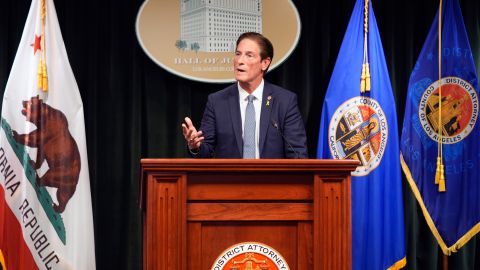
column 275, row 125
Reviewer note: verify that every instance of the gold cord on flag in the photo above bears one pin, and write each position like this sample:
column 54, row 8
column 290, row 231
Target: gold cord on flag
column 440, row 173
column 365, row 78
column 42, row 78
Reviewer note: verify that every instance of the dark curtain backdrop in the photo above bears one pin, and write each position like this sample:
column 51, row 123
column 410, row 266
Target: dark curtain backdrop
column 134, row 108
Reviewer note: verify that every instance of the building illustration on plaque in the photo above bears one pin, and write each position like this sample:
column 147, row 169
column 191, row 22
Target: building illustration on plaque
column 215, row 25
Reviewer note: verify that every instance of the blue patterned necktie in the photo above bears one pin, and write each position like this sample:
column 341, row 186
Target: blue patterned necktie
column 249, row 130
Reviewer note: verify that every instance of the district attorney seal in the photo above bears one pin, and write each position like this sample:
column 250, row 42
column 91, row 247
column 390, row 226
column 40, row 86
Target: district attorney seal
column 459, row 110
column 250, row 256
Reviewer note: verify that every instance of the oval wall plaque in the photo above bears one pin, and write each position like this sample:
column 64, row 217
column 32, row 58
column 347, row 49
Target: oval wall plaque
column 195, row 39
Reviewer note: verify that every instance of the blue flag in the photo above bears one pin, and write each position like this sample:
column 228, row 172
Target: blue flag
column 453, row 215
column 363, row 126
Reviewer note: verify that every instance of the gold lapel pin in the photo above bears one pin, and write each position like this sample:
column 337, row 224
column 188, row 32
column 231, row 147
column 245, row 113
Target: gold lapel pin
column 268, row 100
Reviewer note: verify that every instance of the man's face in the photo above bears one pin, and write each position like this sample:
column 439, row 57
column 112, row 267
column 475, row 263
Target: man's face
column 247, row 63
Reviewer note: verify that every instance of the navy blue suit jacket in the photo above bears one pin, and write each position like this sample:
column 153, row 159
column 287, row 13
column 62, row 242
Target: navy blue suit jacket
column 222, row 127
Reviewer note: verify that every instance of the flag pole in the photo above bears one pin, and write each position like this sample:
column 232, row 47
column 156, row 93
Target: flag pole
column 445, row 262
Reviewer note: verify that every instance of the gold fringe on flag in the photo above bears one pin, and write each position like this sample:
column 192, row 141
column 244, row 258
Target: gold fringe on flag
column 365, row 78
column 440, row 173
column 42, row 77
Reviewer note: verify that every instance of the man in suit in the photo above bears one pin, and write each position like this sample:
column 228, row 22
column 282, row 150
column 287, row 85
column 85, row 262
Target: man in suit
column 252, row 118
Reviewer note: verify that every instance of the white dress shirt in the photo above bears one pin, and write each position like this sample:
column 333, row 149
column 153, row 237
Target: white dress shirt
column 257, row 104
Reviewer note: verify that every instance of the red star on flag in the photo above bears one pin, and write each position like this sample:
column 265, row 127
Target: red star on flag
column 36, row 45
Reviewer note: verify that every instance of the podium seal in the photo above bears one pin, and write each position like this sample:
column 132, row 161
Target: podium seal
column 250, row 256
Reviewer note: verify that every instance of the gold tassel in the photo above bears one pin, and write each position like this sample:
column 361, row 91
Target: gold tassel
column 40, row 74
column 437, row 172
column 367, row 77
column 440, row 175
column 441, row 182
column 44, row 78
column 362, row 82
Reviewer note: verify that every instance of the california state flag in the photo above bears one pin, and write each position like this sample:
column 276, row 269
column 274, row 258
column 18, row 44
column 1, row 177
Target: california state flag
column 45, row 204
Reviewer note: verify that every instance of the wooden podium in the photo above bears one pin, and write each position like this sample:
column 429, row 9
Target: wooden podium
column 194, row 209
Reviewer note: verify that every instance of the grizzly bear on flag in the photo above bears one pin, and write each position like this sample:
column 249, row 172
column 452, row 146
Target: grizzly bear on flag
column 55, row 145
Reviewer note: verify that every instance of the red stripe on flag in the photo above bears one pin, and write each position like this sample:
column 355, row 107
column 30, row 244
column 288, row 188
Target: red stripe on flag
column 16, row 253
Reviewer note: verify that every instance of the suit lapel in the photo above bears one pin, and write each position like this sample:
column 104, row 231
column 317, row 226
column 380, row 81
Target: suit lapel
column 266, row 109
column 234, row 105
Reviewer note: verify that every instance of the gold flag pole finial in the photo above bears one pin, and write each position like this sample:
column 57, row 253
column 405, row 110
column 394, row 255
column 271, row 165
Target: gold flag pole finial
column 440, row 173
column 42, row 77
column 365, row 77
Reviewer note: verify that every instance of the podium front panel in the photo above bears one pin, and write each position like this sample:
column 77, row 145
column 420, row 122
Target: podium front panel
column 197, row 209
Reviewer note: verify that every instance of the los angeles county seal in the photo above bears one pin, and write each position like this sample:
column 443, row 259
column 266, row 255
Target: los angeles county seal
column 250, row 255
column 359, row 130
column 459, row 110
